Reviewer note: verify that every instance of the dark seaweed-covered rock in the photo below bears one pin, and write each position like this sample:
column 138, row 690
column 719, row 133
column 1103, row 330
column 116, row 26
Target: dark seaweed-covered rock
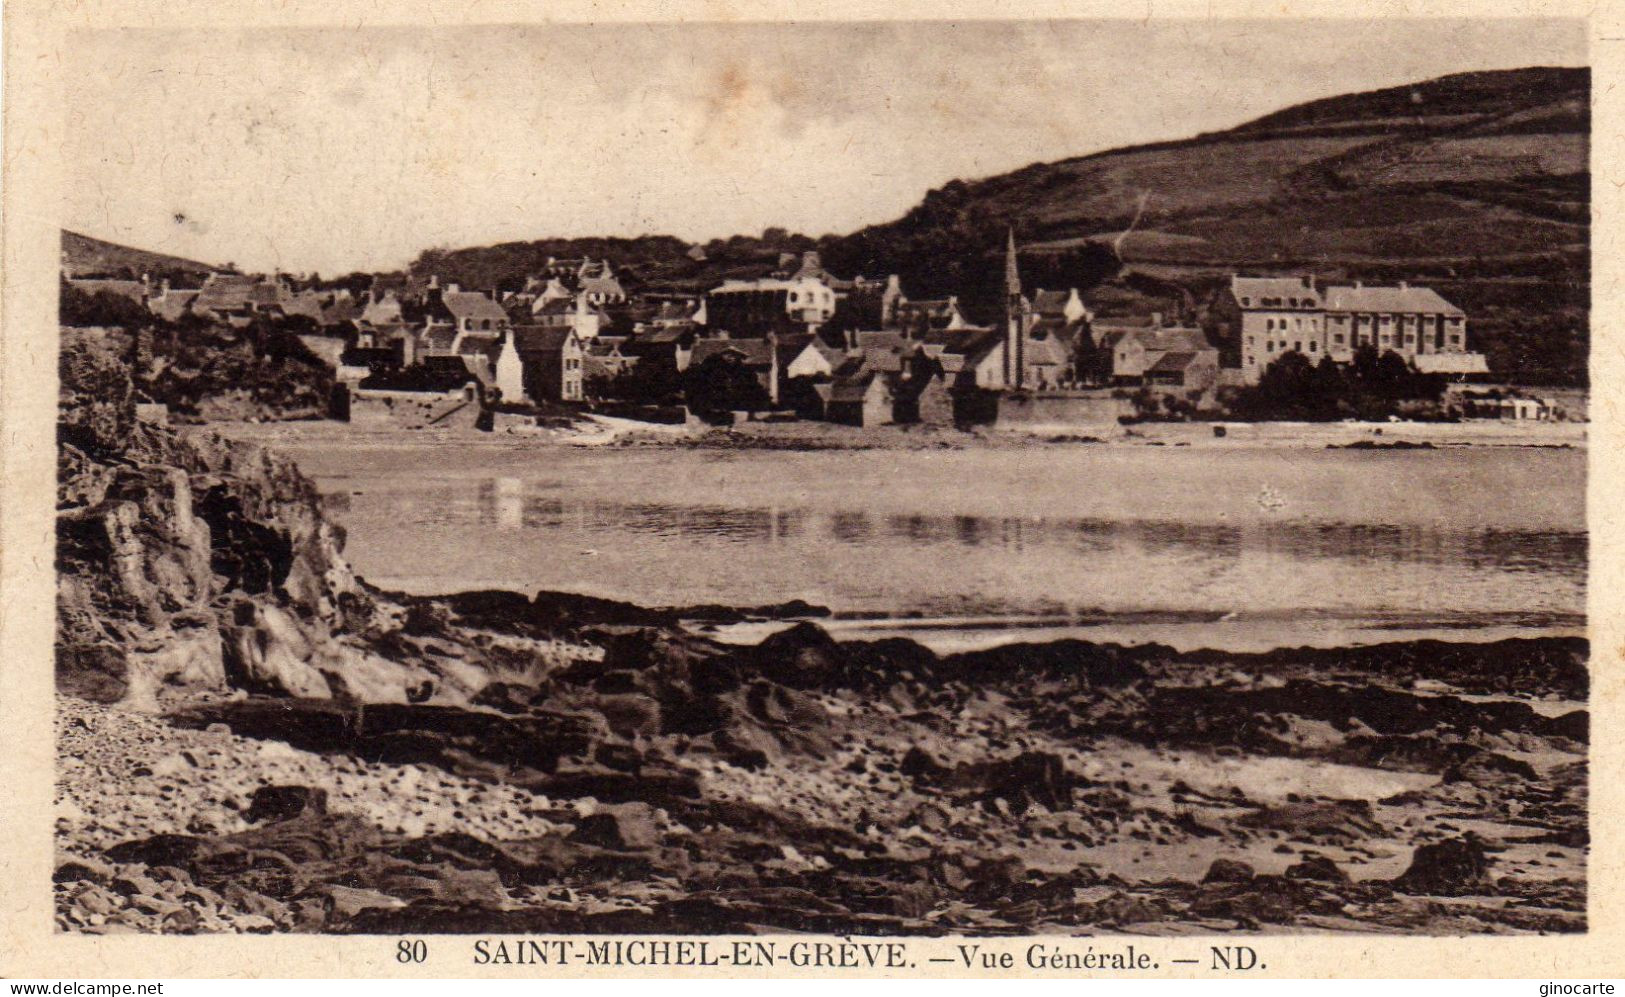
column 1228, row 871
column 1452, row 867
column 1317, row 868
column 274, row 803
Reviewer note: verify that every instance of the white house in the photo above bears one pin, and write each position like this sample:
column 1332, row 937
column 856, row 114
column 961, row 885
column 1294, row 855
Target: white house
column 816, row 359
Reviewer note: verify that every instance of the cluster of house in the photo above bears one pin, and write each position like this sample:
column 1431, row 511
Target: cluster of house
column 572, row 331
column 231, row 298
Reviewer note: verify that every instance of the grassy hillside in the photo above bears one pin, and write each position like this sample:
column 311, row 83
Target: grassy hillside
column 85, row 256
column 1477, row 183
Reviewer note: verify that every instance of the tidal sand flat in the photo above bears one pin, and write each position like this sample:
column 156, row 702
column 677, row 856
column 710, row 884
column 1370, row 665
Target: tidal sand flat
column 1249, row 545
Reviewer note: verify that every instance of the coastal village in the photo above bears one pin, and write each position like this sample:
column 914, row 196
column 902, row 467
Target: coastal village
column 802, row 342
column 847, row 586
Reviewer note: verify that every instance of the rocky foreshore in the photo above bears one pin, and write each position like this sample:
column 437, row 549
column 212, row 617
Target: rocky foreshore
column 677, row 785
column 253, row 739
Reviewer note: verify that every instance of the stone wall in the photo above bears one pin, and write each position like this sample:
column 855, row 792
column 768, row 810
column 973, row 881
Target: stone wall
column 1058, row 412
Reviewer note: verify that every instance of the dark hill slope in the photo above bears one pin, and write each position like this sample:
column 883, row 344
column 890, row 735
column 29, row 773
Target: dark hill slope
column 1477, row 183
column 83, row 255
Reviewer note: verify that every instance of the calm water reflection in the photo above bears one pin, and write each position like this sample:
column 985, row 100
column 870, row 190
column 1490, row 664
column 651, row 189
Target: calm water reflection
column 508, row 531
column 503, row 503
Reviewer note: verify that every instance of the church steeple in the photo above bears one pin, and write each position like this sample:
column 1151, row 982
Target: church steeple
column 1012, row 275
column 1015, row 317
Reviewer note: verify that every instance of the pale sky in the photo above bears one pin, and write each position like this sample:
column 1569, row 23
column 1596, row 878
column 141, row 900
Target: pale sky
column 343, row 149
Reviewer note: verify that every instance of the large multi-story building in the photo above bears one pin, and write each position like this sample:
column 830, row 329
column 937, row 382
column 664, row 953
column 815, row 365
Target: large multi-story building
column 1279, row 315
column 757, row 307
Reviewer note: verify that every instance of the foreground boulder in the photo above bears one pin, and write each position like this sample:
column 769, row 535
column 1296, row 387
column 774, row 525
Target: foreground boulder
column 1448, row 868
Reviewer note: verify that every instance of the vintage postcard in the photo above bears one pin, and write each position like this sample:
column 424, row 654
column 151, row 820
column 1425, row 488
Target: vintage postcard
column 502, row 491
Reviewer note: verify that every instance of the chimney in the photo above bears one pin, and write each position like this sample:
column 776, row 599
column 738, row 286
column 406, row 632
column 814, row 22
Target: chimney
column 1404, row 286
column 453, row 287
column 1308, row 282
column 1359, row 284
column 1156, row 320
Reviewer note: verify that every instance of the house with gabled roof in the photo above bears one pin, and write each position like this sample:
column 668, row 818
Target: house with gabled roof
column 472, row 311
column 758, row 355
column 863, row 398
column 1196, row 370
column 600, row 286
column 816, row 358
column 227, row 298
column 1135, row 351
column 540, row 364
column 579, row 314
column 1067, row 306
column 171, row 304
column 918, row 318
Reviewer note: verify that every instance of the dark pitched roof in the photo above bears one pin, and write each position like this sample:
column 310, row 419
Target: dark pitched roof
column 439, row 338
column 474, row 346
column 852, row 388
column 382, row 310
column 968, row 341
column 754, row 352
column 1388, row 299
column 881, row 339
column 1171, row 363
column 267, row 293
column 378, row 356
column 598, row 367
column 1051, row 302
column 172, row 305
column 472, row 305
column 1257, row 289
column 446, row 365
column 225, row 292
column 1049, row 350
column 343, row 309
column 1178, row 338
column 531, row 339
column 793, row 343
column 887, row 359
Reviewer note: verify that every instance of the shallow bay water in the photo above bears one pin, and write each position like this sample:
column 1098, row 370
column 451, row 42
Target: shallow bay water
column 1245, row 547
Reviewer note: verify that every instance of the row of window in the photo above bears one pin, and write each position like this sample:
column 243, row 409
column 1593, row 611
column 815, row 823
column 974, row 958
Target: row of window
column 1269, row 324
column 1276, row 302
column 1367, row 317
column 1270, row 345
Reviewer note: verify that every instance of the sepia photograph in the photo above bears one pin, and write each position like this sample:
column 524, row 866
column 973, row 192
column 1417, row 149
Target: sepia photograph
column 917, row 479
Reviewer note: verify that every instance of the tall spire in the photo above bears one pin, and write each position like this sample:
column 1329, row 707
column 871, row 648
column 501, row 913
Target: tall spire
column 1012, row 276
